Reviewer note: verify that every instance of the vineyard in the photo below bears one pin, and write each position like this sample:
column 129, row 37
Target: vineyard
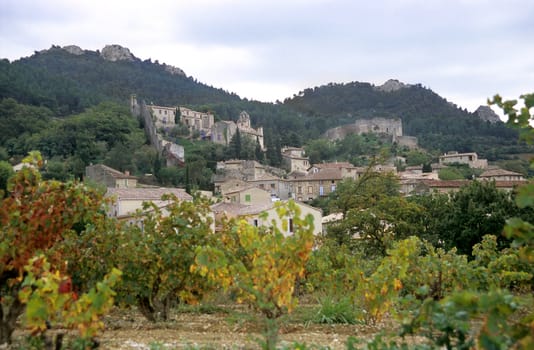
column 73, row 278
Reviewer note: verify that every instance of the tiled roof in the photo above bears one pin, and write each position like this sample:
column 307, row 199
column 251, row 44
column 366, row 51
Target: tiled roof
column 509, row 184
column 297, row 174
column 112, row 172
column 147, row 194
column 236, row 209
column 325, row 174
column 446, row 183
column 499, row 172
column 335, row 165
column 460, row 183
column 242, row 189
column 265, row 177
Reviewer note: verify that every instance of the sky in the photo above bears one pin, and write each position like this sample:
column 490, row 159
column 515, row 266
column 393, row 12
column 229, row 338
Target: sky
column 464, row 50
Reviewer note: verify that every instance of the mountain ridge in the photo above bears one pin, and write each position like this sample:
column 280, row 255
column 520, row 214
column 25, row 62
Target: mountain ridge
column 69, row 79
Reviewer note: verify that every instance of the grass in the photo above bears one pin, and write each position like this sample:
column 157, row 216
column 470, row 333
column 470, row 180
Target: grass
column 336, row 311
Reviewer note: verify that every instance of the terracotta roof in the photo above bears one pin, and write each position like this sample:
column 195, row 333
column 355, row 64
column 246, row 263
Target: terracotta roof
column 335, row 165
column 265, row 177
column 147, row 194
column 243, row 189
column 325, row 174
column 509, row 184
column 446, row 183
column 113, row 172
column 460, row 183
column 499, row 172
column 297, row 174
column 236, row 209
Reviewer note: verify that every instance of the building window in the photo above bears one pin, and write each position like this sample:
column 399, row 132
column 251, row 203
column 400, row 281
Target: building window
column 262, row 186
column 299, row 190
column 290, row 225
column 310, row 189
column 321, row 190
column 333, row 188
column 273, row 186
column 256, row 222
column 247, row 198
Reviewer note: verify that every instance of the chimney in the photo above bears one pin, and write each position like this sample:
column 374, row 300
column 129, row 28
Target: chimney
column 127, row 172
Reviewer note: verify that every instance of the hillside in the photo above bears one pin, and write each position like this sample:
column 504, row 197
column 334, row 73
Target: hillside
column 439, row 125
column 67, row 81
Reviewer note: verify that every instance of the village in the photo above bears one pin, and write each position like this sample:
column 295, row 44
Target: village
column 246, row 189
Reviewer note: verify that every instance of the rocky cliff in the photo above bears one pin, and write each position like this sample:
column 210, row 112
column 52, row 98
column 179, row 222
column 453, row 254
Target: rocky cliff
column 116, row 53
column 73, row 49
column 391, row 85
column 487, row 114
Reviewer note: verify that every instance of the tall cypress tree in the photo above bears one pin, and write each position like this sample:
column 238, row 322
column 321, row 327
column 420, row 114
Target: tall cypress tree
column 234, row 147
column 258, row 152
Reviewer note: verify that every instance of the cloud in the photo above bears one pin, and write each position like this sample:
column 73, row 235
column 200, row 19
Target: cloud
column 466, row 50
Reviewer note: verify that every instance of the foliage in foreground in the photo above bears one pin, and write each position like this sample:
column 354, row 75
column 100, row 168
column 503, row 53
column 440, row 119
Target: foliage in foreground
column 51, row 302
column 261, row 265
column 35, row 217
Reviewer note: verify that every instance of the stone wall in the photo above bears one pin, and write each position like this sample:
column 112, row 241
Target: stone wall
column 389, row 126
column 173, row 153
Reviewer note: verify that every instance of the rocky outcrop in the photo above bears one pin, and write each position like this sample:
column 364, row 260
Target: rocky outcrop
column 487, row 114
column 116, row 53
column 73, row 49
column 174, row 70
column 391, row 85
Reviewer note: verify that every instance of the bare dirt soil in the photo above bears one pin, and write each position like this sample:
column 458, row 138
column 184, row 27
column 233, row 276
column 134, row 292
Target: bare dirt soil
column 219, row 330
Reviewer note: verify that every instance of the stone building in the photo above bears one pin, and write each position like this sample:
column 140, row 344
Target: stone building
column 254, row 215
column 128, row 200
column 197, row 121
column 164, row 117
column 501, row 175
column 232, row 175
column 470, row 158
column 223, row 131
column 110, row 177
column 294, row 159
column 313, row 185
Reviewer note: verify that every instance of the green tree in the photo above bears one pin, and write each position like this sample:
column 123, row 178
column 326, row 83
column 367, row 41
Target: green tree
column 363, row 192
column 156, row 256
column 416, row 157
column 234, row 146
column 261, row 265
column 6, row 172
column 375, row 229
column 258, row 152
column 476, row 210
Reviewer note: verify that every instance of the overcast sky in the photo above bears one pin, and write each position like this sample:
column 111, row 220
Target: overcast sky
column 465, row 50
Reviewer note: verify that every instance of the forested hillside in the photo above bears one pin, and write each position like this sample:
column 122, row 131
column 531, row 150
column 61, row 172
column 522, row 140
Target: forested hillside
column 45, row 100
column 68, row 83
column 438, row 124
